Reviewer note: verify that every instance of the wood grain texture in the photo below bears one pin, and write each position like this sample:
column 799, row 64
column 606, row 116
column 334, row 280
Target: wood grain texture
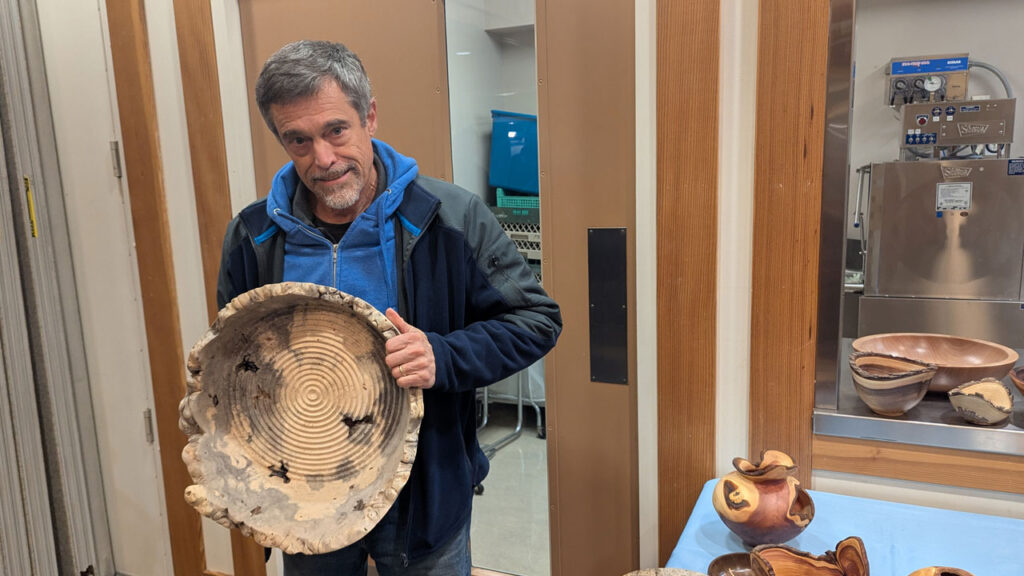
column 201, row 90
column 137, row 109
column 792, row 50
column 402, row 46
column 687, row 213
column 944, row 466
column 587, row 136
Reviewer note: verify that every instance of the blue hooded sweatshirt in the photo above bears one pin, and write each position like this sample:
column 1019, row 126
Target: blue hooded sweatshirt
column 363, row 262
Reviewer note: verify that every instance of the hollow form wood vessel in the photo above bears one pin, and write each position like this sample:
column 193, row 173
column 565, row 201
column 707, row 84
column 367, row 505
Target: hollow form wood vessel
column 298, row 434
column 958, row 359
column 763, row 502
column 890, row 385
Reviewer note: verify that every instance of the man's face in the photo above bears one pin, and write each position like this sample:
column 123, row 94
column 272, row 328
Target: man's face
column 331, row 149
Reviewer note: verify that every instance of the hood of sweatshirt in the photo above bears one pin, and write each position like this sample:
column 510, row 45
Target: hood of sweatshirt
column 363, row 262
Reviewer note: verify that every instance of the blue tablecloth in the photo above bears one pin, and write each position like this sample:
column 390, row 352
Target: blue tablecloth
column 899, row 538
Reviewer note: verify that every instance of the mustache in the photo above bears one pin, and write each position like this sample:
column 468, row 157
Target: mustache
column 334, row 173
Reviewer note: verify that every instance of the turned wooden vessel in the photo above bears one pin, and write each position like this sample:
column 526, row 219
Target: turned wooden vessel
column 1017, row 377
column 763, row 503
column 298, row 435
column 890, row 385
column 734, row 564
column 848, row 559
column 987, row 401
column 940, row 571
column 958, row 359
column 662, row 572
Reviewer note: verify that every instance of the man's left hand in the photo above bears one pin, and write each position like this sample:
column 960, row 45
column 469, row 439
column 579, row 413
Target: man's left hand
column 409, row 355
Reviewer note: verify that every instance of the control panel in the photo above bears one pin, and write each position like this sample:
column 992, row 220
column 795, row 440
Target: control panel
column 926, row 79
column 967, row 122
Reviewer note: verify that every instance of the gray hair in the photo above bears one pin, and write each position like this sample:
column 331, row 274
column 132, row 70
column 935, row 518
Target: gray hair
column 298, row 70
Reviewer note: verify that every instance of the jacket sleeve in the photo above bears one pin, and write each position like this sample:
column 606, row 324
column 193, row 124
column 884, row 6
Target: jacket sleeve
column 511, row 322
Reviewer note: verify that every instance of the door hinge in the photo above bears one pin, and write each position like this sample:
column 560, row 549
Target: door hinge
column 115, row 157
column 147, row 417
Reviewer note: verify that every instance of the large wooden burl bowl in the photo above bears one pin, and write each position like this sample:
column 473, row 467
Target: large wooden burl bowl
column 958, row 359
column 297, row 433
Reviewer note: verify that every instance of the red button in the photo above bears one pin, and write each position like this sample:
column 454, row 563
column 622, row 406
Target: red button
column 922, row 121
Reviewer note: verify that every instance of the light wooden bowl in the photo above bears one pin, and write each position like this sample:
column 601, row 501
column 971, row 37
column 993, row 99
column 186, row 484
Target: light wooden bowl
column 987, row 401
column 1017, row 377
column 297, row 433
column 958, row 359
column 890, row 385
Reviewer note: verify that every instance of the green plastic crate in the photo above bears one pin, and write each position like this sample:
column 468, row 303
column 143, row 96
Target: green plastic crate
column 517, row 201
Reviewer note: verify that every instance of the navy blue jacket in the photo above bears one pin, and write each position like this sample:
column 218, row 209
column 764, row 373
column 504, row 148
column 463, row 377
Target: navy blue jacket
column 467, row 287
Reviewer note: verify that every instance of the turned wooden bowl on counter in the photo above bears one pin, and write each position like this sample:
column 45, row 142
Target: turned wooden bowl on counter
column 1017, row 377
column 890, row 385
column 958, row 359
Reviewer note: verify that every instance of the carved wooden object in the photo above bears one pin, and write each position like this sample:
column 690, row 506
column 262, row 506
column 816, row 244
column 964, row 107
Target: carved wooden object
column 940, row 571
column 890, row 385
column 848, row 559
column 1017, row 377
column 763, row 503
column 298, row 434
column 987, row 401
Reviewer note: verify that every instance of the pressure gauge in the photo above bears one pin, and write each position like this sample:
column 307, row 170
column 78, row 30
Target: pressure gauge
column 932, row 83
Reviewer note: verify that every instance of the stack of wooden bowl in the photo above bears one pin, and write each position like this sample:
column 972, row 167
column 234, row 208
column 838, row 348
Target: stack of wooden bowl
column 893, row 372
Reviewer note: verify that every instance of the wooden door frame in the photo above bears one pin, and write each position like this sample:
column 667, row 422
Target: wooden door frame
column 791, row 72
column 688, row 38
column 136, row 102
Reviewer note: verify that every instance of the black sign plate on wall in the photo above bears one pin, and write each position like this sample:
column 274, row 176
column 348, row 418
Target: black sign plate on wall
column 606, row 273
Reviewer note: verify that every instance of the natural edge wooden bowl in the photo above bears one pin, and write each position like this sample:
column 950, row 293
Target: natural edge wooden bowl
column 1017, row 377
column 958, row 359
column 297, row 433
column 890, row 385
column 986, row 402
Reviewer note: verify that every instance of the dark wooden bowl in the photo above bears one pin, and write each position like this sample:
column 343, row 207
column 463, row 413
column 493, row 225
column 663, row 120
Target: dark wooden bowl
column 1017, row 377
column 734, row 564
column 958, row 359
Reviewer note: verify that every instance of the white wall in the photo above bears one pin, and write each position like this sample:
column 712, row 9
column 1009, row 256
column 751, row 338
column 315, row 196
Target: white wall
column 988, row 30
column 647, row 277
column 99, row 220
column 491, row 66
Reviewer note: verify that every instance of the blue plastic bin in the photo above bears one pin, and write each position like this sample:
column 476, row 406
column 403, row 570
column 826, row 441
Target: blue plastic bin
column 514, row 152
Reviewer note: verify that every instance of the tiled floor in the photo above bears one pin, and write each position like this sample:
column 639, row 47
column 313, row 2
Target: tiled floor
column 510, row 519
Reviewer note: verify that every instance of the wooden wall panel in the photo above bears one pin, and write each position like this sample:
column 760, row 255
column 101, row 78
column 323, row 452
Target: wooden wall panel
column 402, row 46
column 792, row 51
column 944, row 466
column 143, row 167
column 687, row 205
column 586, row 90
column 201, row 90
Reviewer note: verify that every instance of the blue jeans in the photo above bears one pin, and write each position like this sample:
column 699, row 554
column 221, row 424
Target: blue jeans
column 383, row 545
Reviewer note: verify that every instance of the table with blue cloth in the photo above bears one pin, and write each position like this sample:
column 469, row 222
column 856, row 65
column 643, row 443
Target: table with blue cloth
column 898, row 538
